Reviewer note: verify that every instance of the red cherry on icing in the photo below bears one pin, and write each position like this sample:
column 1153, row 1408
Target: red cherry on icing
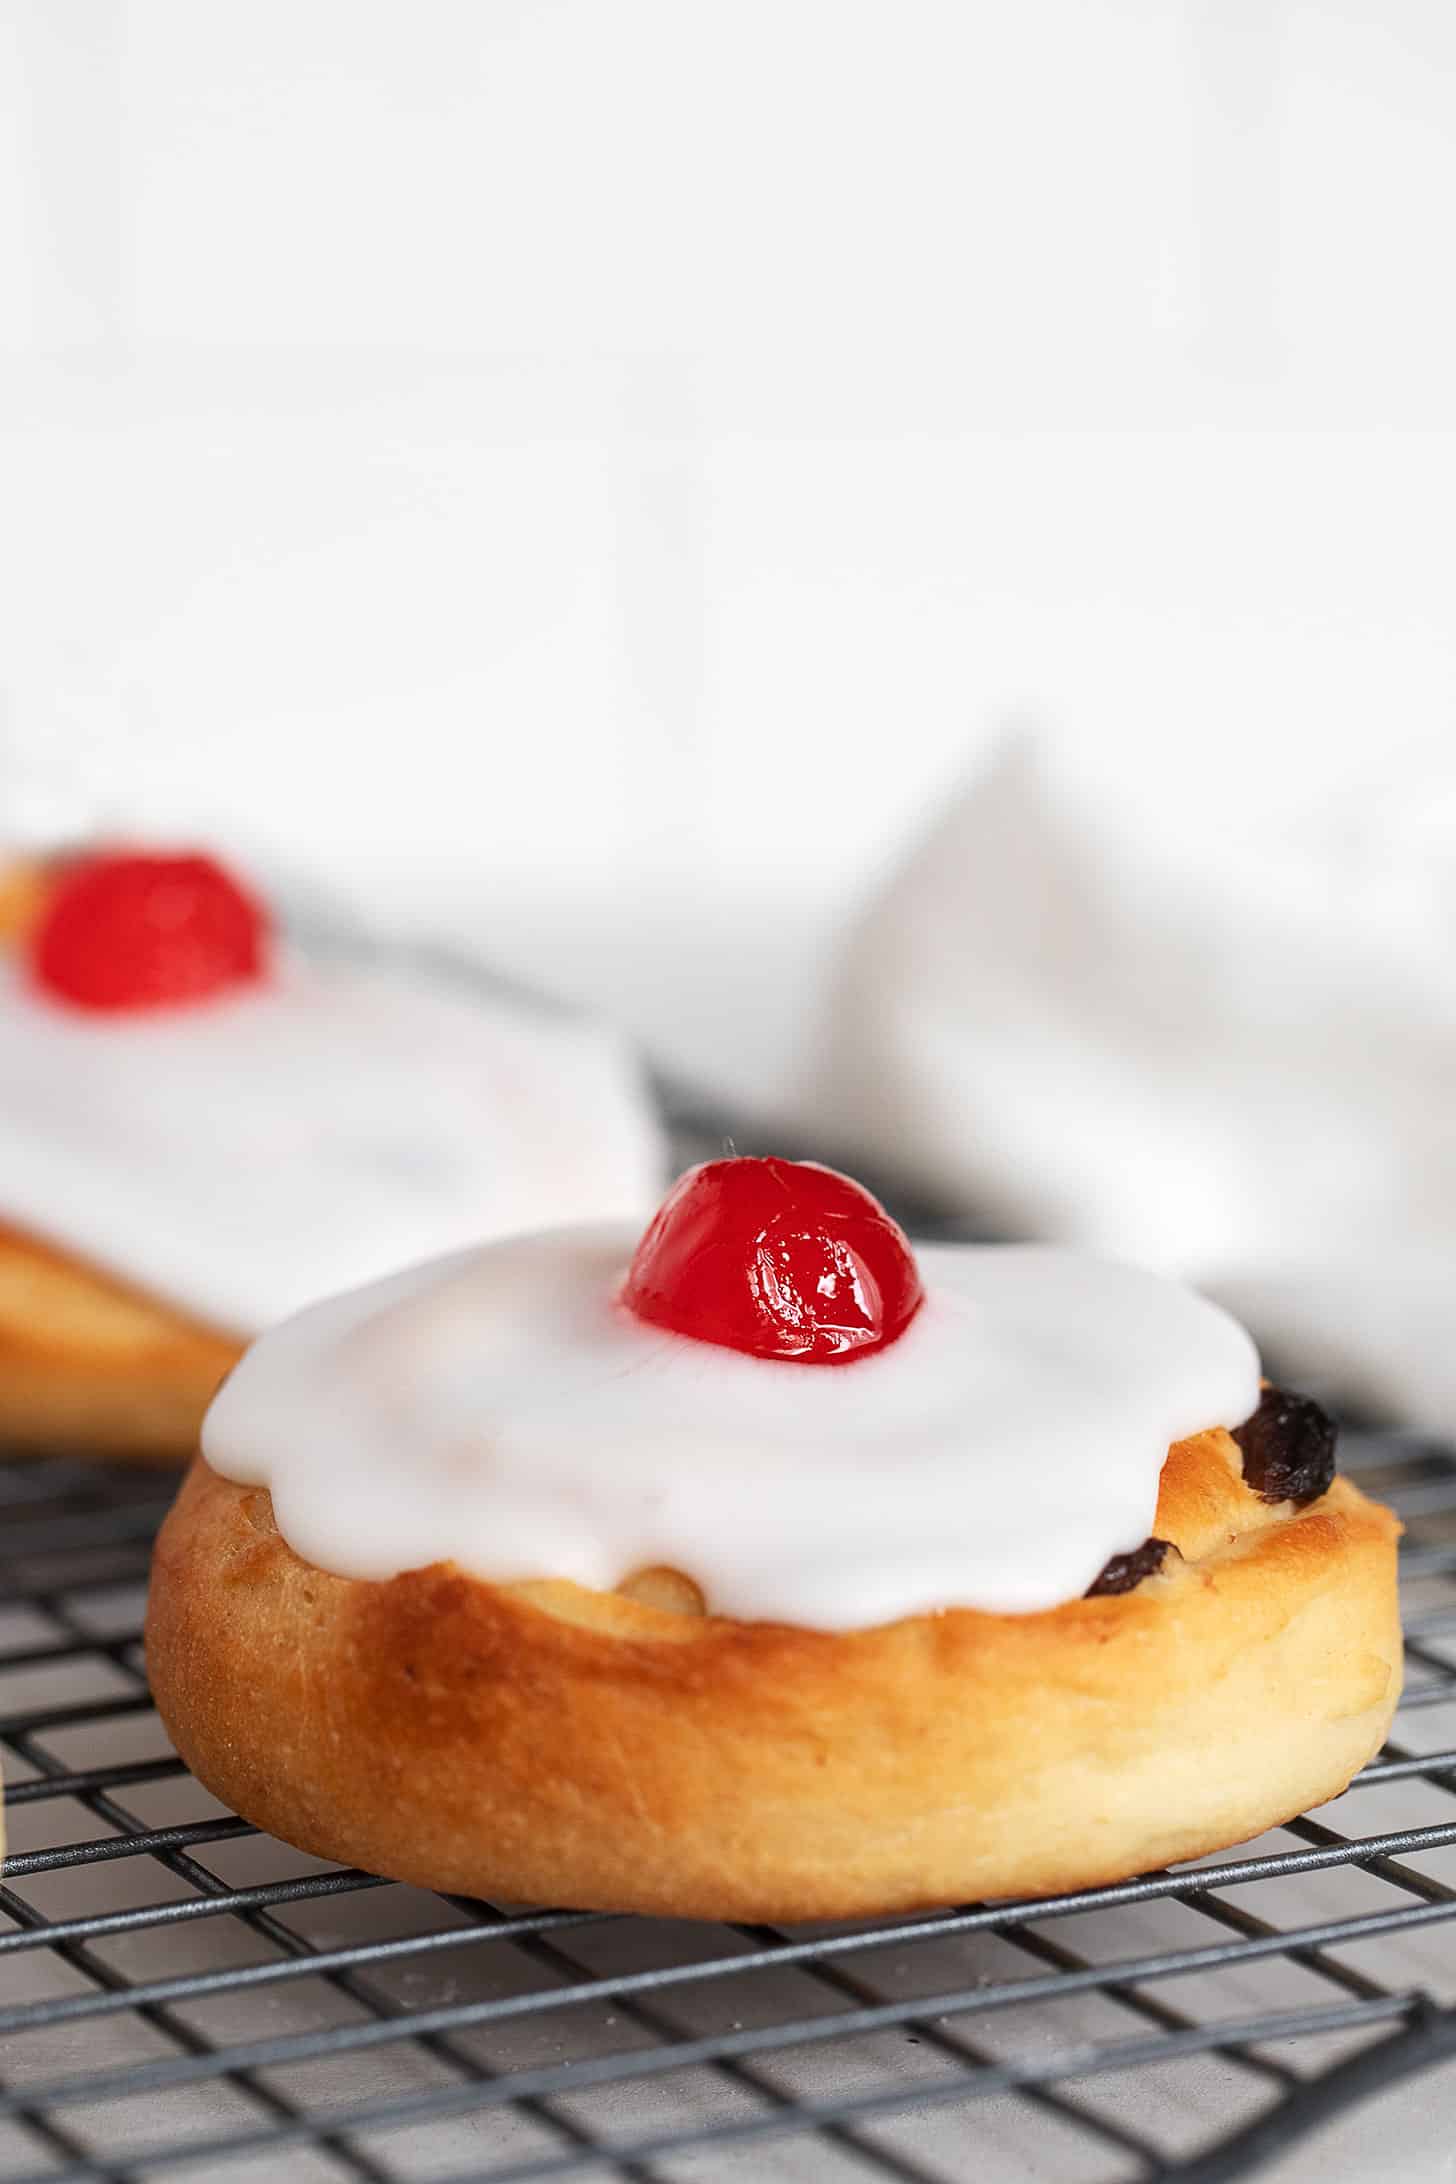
column 130, row 931
column 781, row 1258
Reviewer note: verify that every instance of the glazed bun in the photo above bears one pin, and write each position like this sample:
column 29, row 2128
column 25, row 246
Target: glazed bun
column 625, row 1751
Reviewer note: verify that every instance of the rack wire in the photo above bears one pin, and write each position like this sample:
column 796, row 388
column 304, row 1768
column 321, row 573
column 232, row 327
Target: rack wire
column 180, row 1997
column 183, row 1998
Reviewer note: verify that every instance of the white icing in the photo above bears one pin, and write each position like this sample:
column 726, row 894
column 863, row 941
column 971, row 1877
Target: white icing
column 501, row 1410
column 248, row 1156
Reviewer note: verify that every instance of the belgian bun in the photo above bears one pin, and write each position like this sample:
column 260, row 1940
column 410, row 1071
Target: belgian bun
column 628, row 1752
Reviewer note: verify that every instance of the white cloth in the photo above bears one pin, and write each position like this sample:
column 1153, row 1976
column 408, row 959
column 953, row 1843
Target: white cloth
column 1217, row 1036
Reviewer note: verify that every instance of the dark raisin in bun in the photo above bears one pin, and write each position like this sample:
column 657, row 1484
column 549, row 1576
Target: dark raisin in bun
column 1123, row 1572
column 1288, row 1447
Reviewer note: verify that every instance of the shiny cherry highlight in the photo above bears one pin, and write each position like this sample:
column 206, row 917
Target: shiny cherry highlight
column 126, row 930
column 779, row 1258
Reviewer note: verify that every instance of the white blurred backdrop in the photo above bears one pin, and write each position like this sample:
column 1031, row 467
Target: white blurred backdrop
column 594, row 478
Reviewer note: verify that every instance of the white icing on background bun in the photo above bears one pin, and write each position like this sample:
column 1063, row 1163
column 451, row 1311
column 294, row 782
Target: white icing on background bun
column 499, row 1409
column 248, row 1155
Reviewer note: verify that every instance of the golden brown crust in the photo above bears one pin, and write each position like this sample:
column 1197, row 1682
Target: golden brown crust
column 91, row 1367
column 24, row 885
column 543, row 1742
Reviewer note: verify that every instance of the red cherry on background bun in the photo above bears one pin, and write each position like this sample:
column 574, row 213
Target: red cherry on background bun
column 132, row 931
column 781, row 1258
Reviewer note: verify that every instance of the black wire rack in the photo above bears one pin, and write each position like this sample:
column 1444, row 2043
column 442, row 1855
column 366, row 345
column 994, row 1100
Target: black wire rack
column 180, row 1997
column 183, row 1998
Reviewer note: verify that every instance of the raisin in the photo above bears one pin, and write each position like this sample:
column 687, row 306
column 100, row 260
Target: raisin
column 1288, row 1447
column 1123, row 1572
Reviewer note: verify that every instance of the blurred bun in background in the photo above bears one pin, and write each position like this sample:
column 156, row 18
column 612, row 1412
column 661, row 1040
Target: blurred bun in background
column 206, row 1123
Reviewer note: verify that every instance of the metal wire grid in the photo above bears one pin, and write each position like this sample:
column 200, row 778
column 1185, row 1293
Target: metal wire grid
column 551, row 2043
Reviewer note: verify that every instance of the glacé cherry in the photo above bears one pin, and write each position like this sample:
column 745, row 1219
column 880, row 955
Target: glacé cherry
column 128, row 930
column 780, row 1258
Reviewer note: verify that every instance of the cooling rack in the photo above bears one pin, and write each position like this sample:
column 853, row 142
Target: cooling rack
column 180, row 1997
column 183, row 1998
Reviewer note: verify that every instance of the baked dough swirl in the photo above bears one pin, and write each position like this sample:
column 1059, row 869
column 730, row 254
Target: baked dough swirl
column 625, row 1751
